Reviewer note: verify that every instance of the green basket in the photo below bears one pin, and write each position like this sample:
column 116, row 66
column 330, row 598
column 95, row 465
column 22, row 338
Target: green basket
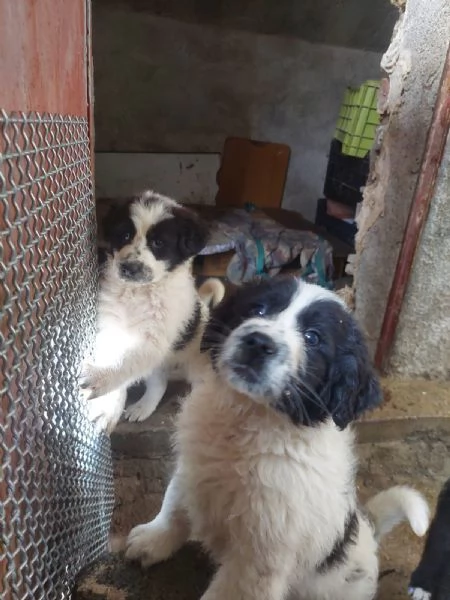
column 358, row 119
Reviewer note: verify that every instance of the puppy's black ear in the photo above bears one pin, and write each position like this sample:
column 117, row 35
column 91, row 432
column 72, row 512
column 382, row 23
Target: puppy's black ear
column 354, row 386
column 116, row 219
column 192, row 232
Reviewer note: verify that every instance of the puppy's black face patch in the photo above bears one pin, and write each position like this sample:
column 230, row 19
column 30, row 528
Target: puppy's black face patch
column 265, row 299
column 177, row 239
column 119, row 229
column 336, row 378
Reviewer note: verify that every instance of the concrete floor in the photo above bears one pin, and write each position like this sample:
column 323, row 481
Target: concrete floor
column 405, row 442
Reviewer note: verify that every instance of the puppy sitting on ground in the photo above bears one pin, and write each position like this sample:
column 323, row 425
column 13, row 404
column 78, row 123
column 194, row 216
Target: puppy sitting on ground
column 150, row 315
column 265, row 474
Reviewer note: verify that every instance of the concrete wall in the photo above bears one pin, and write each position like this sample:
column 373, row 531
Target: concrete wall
column 349, row 24
column 165, row 86
column 415, row 61
column 422, row 345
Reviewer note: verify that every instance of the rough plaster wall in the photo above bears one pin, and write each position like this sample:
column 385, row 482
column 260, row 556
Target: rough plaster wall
column 422, row 345
column 337, row 23
column 190, row 178
column 167, row 86
column 415, row 59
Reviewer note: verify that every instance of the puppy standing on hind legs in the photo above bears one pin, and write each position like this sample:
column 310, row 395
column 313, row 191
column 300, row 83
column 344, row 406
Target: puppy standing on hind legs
column 149, row 311
column 265, row 475
column 184, row 363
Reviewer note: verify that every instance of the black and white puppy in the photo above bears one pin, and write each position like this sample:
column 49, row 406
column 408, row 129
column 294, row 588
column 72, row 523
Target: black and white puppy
column 431, row 579
column 150, row 315
column 265, row 476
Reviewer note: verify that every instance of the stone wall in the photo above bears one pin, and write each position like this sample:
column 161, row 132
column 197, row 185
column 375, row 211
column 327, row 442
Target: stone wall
column 422, row 345
column 414, row 61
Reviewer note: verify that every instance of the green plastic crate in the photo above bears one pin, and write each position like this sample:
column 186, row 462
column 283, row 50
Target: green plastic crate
column 358, row 119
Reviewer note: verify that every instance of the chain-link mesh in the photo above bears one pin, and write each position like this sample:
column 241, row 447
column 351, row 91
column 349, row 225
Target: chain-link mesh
column 56, row 489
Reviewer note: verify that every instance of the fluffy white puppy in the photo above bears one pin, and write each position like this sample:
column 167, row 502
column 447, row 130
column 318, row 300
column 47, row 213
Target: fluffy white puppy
column 150, row 315
column 265, row 474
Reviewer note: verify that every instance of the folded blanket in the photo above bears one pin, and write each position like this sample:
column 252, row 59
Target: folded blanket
column 262, row 247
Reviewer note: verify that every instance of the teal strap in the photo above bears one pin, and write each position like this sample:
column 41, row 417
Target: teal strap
column 260, row 258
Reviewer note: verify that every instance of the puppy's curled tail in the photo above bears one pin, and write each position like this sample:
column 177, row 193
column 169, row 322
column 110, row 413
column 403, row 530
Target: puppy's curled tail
column 395, row 505
column 211, row 292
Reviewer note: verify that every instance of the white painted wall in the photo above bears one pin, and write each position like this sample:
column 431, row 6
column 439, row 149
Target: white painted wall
column 189, row 178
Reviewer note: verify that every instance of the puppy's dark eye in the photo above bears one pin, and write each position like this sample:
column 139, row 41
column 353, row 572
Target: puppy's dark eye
column 257, row 310
column 311, row 337
column 126, row 237
column 156, row 243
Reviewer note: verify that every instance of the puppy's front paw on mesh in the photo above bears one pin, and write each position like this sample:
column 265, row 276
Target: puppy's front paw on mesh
column 105, row 413
column 150, row 544
column 95, row 381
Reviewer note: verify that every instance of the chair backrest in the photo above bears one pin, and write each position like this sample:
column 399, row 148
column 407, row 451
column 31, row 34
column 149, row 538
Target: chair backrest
column 252, row 172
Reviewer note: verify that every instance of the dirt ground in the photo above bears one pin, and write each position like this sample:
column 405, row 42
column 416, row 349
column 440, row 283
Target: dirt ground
column 421, row 460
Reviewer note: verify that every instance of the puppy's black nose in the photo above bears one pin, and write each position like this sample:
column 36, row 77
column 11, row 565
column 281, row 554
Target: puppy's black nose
column 258, row 344
column 130, row 269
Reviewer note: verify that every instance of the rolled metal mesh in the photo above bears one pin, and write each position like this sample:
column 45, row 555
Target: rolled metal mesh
column 56, row 487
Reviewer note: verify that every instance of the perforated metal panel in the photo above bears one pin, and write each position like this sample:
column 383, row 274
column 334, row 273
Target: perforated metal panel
column 56, row 489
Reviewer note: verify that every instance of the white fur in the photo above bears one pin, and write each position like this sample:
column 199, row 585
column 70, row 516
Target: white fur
column 419, row 594
column 397, row 504
column 268, row 499
column 138, row 325
column 211, row 291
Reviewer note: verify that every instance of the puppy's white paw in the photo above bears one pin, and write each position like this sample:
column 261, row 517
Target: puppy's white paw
column 140, row 410
column 95, row 381
column 150, row 543
column 419, row 594
column 105, row 413
column 156, row 385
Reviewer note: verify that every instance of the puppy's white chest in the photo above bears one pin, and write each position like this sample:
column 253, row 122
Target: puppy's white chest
column 131, row 310
column 253, row 475
column 224, row 472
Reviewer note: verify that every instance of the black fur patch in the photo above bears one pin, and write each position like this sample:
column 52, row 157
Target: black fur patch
column 190, row 330
column 338, row 379
column 136, row 391
column 270, row 296
column 175, row 240
column 118, row 228
column 338, row 554
column 102, row 255
column 433, row 571
column 150, row 199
